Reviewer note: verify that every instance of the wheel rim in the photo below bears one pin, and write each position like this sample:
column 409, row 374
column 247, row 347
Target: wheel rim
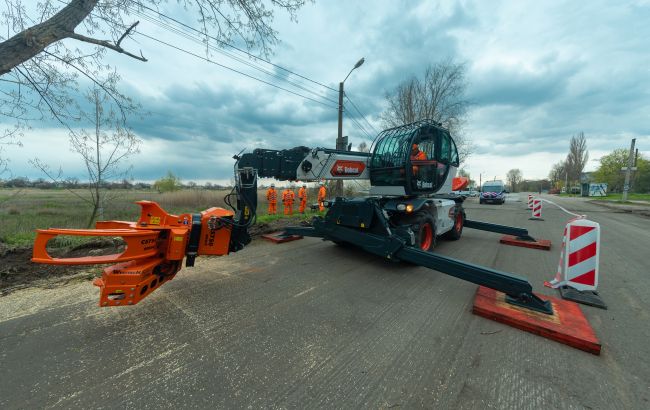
column 459, row 222
column 426, row 237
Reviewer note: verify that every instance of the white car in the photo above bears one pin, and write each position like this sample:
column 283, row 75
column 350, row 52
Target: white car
column 471, row 193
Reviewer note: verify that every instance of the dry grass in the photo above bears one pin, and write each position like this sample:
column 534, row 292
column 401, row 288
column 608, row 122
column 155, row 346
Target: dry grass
column 21, row 214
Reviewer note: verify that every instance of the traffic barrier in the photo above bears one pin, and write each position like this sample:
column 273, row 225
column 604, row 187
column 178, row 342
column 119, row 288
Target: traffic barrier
column 537, row 210
column 577, row 273
column 530, row 201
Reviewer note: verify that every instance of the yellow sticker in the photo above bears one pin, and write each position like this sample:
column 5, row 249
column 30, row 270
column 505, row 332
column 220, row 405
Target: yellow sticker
column 178, row 238
column 155, row 220
column 246, row 211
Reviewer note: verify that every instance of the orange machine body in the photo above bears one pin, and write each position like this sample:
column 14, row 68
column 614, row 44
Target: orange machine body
column 155, row 247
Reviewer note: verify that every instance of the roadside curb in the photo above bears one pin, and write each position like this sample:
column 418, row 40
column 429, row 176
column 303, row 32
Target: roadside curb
column 637, row 209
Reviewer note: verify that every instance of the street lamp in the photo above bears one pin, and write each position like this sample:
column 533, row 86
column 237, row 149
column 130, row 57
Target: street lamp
column 341, row 144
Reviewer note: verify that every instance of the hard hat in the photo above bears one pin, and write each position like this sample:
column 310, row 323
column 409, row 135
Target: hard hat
column 322, row 183
column 304, row 185
column 272, row 185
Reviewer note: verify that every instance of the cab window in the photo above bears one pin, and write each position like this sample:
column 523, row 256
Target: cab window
column 445, row 148
column 454, row 154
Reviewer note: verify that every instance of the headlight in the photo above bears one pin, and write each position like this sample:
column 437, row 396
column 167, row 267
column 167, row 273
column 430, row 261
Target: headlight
column 409, row 208
column 401, row 207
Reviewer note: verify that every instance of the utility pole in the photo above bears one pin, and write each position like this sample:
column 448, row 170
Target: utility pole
column 628, row 170
column 342, row 143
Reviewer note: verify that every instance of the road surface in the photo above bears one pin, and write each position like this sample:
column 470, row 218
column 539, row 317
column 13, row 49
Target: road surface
column 309, row 324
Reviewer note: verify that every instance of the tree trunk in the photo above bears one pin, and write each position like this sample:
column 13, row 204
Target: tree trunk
column 30, row 42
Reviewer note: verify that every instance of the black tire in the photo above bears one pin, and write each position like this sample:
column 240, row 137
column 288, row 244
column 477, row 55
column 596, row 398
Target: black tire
column 424, row 229
column 457, row 229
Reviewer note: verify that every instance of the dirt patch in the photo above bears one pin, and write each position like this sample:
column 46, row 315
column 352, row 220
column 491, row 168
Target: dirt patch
column 274, row 226
column 17, row 271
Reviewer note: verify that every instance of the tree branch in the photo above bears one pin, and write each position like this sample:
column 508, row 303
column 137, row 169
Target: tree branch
column 108, row 44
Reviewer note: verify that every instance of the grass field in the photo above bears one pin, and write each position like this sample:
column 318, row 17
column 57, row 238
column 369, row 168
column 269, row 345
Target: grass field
column 615, row 197
column 23, row 211
column 630, row 197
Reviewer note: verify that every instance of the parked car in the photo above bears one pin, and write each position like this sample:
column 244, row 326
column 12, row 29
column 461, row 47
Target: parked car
column 493, row 192
column 470, row 192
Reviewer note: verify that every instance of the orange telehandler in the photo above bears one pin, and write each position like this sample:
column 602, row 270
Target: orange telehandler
column 412, row 203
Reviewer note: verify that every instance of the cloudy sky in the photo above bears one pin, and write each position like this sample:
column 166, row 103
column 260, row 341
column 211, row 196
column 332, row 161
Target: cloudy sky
column 538, row 73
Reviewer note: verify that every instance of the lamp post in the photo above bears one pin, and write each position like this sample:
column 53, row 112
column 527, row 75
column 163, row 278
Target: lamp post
column 341, row 144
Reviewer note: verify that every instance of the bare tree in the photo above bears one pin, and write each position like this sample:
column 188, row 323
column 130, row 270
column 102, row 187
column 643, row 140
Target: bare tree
column 439, row 96
column 40, row 74
column 363, row 147
column 514, row 178
column 577, row 157
column 557, row 173
column 103, row 151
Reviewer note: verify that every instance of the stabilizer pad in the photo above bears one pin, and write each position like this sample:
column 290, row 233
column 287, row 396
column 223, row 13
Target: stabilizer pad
column 543, row 244
column 281, row 237
column 566, row 325
column 586, row 297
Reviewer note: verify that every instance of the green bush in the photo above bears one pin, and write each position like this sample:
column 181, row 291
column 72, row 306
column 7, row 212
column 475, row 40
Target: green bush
column 169, row 183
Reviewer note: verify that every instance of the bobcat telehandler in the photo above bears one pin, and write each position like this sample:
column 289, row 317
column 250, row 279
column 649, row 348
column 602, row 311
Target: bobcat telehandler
column 411, row 169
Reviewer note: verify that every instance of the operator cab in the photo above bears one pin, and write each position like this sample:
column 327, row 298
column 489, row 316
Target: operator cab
column 413, row 159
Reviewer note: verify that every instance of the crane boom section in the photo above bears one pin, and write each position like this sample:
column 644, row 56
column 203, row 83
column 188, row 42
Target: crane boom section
column 305, row 164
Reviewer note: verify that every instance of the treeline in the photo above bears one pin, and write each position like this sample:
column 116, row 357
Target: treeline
column 74, row 183
column 610, row 171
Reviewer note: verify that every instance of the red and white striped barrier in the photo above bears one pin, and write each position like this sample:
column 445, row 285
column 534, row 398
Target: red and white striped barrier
column 530, row 201
column 579, row 258
column 537, row 210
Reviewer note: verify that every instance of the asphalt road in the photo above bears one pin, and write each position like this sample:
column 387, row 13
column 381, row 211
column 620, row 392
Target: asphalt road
column 309, row 324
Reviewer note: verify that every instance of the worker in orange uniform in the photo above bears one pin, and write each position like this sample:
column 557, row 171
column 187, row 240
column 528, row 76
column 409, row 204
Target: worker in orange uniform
column 288, row 197
column 302, row 196
column 417, row 155
column 272, row 197
column 322, row 194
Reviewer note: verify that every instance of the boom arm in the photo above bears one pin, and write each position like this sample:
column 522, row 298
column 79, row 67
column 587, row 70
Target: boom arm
column 305, row 164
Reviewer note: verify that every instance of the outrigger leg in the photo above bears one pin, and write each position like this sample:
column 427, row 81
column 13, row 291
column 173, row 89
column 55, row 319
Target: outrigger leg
column 512, row 235
column 519, row 292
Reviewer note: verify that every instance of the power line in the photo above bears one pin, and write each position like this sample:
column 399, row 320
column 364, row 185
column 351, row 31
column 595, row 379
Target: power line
column 232, row 69
column 234, row 47
column 191, row 37
column 213, row 62
column 360, row 114
column 360, row 127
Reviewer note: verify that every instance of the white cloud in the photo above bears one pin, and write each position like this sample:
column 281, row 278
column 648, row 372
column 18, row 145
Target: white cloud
column 539, row 73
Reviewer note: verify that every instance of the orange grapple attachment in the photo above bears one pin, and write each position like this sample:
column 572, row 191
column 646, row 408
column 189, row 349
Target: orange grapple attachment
column 215, row 235
column 140, row 244
column 155, row 248
column 128, row 283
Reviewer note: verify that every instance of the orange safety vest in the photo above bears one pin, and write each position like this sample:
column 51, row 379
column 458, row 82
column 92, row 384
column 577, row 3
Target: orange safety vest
column 272, row 195
column 288, row 196
column 420, row 156
column 302, row 194
column 322, row 193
